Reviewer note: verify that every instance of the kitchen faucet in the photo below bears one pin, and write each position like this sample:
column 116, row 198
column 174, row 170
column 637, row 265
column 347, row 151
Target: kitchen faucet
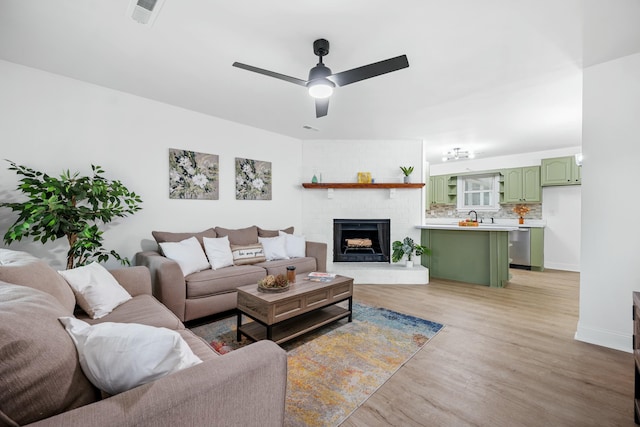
column 476, row 218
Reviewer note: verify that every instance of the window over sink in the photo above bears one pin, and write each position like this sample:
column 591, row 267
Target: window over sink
column 479, row 192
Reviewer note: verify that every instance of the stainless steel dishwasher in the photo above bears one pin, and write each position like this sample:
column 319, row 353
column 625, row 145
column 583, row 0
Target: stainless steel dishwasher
column 520, row 249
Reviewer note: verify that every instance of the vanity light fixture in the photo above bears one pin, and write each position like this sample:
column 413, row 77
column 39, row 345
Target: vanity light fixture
column 457, row 154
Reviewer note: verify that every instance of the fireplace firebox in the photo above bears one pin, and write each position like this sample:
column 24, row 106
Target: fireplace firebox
column 361, row 240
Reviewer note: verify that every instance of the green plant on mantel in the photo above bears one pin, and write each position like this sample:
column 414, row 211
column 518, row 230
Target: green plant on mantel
column 407, row 248
column 70, row 206
column 406, row 170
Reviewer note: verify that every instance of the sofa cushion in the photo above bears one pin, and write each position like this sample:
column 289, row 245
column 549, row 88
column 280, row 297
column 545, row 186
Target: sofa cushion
column 212, row 282
column 188, row 253
column 240, row 236
column 303, row 265
column 143, row 309
column 24, row 269
column 117, row 357
column 96, row 290
column 40, row 375
column 273, row 233
column 167, row 236
column 198, row 345
column 247, row 254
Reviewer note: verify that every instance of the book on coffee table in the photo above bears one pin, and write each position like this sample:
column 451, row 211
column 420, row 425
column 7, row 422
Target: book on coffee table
column 318, row 276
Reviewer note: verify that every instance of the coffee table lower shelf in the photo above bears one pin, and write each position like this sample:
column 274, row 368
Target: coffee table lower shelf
column 296, row 326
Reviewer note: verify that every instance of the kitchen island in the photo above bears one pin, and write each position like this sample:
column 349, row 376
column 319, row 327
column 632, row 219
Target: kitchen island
column 477, row 255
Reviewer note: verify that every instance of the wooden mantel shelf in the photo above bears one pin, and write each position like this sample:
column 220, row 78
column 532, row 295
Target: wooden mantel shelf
column 325, row 185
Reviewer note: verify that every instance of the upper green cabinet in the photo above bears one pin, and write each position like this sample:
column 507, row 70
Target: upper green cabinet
column 443, row 190
column 560, row 171
column 522, row 185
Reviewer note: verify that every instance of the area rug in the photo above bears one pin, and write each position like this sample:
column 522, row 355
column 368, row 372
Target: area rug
column 335, row 369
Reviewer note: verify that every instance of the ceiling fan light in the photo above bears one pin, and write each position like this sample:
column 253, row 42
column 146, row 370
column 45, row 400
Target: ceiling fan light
column 321, row 88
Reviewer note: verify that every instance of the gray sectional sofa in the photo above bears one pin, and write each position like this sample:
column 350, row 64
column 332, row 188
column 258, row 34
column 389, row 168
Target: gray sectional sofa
column 42, row 383
column 209, row 291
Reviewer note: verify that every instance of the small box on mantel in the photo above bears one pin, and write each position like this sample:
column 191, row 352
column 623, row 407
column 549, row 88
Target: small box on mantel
column 364, row 177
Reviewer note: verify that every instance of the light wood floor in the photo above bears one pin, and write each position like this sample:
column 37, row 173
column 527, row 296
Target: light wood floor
column 507, row 357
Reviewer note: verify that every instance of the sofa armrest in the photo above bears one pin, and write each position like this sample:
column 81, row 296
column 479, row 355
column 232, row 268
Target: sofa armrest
column 167, row 281
column 136, row 280
column 243, row 388
column 319, row 252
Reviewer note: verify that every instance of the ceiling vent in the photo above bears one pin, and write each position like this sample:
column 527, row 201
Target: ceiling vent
column 144, row 11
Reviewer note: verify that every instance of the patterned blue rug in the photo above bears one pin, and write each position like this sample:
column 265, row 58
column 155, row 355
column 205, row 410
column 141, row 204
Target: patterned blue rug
column 334, row 370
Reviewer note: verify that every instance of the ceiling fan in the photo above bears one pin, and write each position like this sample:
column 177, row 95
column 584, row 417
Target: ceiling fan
column 321, row 82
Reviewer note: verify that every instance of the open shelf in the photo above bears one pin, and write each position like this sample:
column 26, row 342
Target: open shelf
column 296, row 326
column 325, row 185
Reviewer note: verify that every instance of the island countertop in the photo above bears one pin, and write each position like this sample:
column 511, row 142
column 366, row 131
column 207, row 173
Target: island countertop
column 439, row 223
column 480, row 227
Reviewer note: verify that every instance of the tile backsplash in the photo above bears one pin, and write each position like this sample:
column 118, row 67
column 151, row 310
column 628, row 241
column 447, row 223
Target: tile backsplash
column 505, row 212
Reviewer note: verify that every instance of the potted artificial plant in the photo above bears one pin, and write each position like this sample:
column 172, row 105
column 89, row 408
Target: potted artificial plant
column 406, row 170
column 70, row 206
column 407, row 248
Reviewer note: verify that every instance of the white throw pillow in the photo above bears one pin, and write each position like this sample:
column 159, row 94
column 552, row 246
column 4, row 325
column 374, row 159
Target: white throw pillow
column 296, row 245
column 218, row 251
column 117, row 357
column 274, row 247
column 16, row 258
column 96, row 290
column 187, row 253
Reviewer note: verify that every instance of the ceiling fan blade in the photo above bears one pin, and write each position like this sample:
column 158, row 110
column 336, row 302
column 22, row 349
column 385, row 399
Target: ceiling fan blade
column 367, row 71
column 271, row 74
column 322, row 107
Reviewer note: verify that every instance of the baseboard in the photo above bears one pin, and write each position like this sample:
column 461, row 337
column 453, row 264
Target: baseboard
column 604, row 338
column 561, row 266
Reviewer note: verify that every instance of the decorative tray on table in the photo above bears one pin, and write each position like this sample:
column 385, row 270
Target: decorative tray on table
column 273, row 290
column 273, row 284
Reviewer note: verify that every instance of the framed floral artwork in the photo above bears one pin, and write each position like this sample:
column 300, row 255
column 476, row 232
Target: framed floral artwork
column 253, row 179
column 193, row 175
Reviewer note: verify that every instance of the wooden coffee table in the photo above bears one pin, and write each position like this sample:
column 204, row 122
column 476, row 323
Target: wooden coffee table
column 306, row 306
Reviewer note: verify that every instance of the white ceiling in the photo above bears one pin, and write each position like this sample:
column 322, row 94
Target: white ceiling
column 496, row 76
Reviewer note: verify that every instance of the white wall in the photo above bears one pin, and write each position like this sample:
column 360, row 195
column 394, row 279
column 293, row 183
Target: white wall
column 611, row 148
column 561, row 206
column 52, row 123
column 561, row 211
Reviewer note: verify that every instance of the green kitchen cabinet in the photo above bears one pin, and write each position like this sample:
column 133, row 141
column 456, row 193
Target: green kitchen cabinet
column 432, row 191
column 443, row 189
column 537, row 248
column 560, row 171
column 522, row 185
column 452, row 189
